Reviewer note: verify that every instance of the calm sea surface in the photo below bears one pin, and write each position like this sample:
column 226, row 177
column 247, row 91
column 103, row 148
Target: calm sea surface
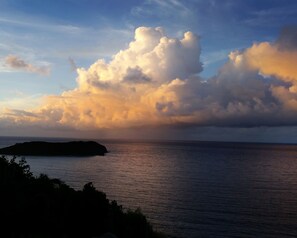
column 191, row 189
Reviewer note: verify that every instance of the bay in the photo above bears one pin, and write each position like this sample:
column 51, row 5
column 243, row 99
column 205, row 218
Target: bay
column 190, row 189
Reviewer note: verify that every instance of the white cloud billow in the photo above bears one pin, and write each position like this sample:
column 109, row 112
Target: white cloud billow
column 155, row 82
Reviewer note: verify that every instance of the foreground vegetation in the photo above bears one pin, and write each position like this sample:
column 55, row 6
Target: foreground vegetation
column 43, row 207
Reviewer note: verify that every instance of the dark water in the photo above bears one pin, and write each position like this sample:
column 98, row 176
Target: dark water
column 192, row 189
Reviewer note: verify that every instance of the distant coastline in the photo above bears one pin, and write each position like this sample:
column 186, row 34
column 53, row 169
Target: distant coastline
column 198, row 143
column 22, row 139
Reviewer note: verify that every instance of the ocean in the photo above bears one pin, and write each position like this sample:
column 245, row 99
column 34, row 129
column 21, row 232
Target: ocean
column 190, row 189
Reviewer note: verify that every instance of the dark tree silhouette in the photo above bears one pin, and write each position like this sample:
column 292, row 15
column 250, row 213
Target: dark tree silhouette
column 44, row 207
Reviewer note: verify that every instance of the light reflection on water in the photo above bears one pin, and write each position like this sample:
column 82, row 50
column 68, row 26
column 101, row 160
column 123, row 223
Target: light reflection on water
column 189, row 190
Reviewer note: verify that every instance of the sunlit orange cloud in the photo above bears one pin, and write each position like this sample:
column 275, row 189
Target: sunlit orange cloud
column 155, row 81
column 270, row 60
column 136, row 88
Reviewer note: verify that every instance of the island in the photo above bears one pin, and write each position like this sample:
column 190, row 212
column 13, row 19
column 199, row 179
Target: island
column 41, row 148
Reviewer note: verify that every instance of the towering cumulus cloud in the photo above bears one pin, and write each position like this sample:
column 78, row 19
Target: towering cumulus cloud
column 155, row 81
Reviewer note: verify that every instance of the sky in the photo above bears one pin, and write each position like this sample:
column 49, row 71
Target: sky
column 153, row 69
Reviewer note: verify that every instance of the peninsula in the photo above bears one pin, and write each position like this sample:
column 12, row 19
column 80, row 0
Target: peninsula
column 41, row 148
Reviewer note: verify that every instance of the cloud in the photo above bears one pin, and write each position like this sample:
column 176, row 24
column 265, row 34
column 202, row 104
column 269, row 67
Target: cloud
column 155, row 82
column 276, row 15
column 16, row 63
column 72, row 64
column 135, row 75
column 159, row 8
column 30, row 22
column 18, row 113
column 288, row 38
